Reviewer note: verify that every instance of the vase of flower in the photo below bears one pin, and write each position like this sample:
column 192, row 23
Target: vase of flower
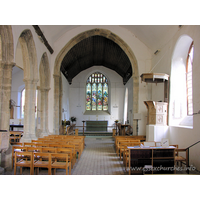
column 73, row 119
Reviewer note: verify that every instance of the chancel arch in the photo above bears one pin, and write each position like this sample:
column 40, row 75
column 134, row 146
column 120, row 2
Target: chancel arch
column 110, row 38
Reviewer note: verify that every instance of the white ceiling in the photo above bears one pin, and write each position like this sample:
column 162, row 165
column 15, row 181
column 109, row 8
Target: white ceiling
column 153, row 36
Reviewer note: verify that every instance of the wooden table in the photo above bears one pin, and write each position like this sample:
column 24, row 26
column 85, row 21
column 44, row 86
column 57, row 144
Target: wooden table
column 161, row 160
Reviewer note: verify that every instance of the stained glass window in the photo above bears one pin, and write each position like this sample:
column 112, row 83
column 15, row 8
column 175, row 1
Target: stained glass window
column 97, row 92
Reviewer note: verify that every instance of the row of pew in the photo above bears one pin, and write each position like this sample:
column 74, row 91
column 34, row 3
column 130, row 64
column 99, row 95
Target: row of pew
column 51, row 152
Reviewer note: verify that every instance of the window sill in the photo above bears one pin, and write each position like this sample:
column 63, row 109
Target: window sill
column 98, row 112
column 181, row 126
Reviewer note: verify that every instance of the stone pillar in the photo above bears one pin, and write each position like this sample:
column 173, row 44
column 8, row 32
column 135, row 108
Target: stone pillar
column 56, row 103
column 29, row 111
column 5, row 94
column 44, row 112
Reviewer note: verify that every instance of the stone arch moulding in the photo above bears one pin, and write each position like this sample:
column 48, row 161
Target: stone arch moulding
column 7, row 44
column 108, row 34
column 44, row 72
column 29, row 55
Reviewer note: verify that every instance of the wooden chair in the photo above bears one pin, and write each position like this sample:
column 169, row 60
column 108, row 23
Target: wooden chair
column 15, row 136
column 23, row 161
column 72, row 147
column 42, row 160
column 69, row 152
column 60, row 165
column 178, row 158
column 17, row 149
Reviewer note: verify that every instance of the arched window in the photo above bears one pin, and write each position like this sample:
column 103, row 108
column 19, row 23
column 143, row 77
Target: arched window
column 22, row 102
column 189, row 80
column 97, row 92
column 181, row 97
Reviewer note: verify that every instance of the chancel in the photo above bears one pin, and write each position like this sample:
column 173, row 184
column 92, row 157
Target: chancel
column 99, row 99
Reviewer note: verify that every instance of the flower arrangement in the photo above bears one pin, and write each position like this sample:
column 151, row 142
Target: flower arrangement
column 73, row 119
column 65, row 123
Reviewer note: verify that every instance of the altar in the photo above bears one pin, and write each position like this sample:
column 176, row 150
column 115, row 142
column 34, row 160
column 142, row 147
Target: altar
column 96, row 125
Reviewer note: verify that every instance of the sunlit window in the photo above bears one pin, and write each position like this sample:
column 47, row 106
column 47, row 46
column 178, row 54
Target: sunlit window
column 189, row 80
column 23, row 103
column 97, row 92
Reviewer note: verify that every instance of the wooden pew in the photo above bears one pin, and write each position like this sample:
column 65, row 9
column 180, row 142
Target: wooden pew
column 23, row 161
column 70, row 157
column 60, row 165
column 17, row 149
column 42, row 160
column 178, row 158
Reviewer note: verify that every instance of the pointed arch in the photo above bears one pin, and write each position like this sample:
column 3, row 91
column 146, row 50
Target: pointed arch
column 105, row 33
column 29, row 55
column 7, row 47
column 178, row 91
column 30, row 78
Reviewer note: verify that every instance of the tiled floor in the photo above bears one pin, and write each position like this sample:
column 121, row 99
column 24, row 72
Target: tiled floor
column 98, row 158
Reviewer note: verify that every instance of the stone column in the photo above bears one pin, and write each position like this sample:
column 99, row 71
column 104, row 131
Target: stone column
column 5, row 96
column 29, row 111
column 44, row 112
column 56, row 103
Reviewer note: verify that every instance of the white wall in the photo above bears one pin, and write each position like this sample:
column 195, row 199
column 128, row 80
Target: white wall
column 77, row 95
column 184, row 137
column 17, row 86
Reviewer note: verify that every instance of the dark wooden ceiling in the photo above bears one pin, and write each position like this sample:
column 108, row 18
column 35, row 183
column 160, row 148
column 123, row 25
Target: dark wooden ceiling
column 96, row 51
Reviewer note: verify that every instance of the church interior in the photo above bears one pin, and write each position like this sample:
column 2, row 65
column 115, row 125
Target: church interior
column 117, row 90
